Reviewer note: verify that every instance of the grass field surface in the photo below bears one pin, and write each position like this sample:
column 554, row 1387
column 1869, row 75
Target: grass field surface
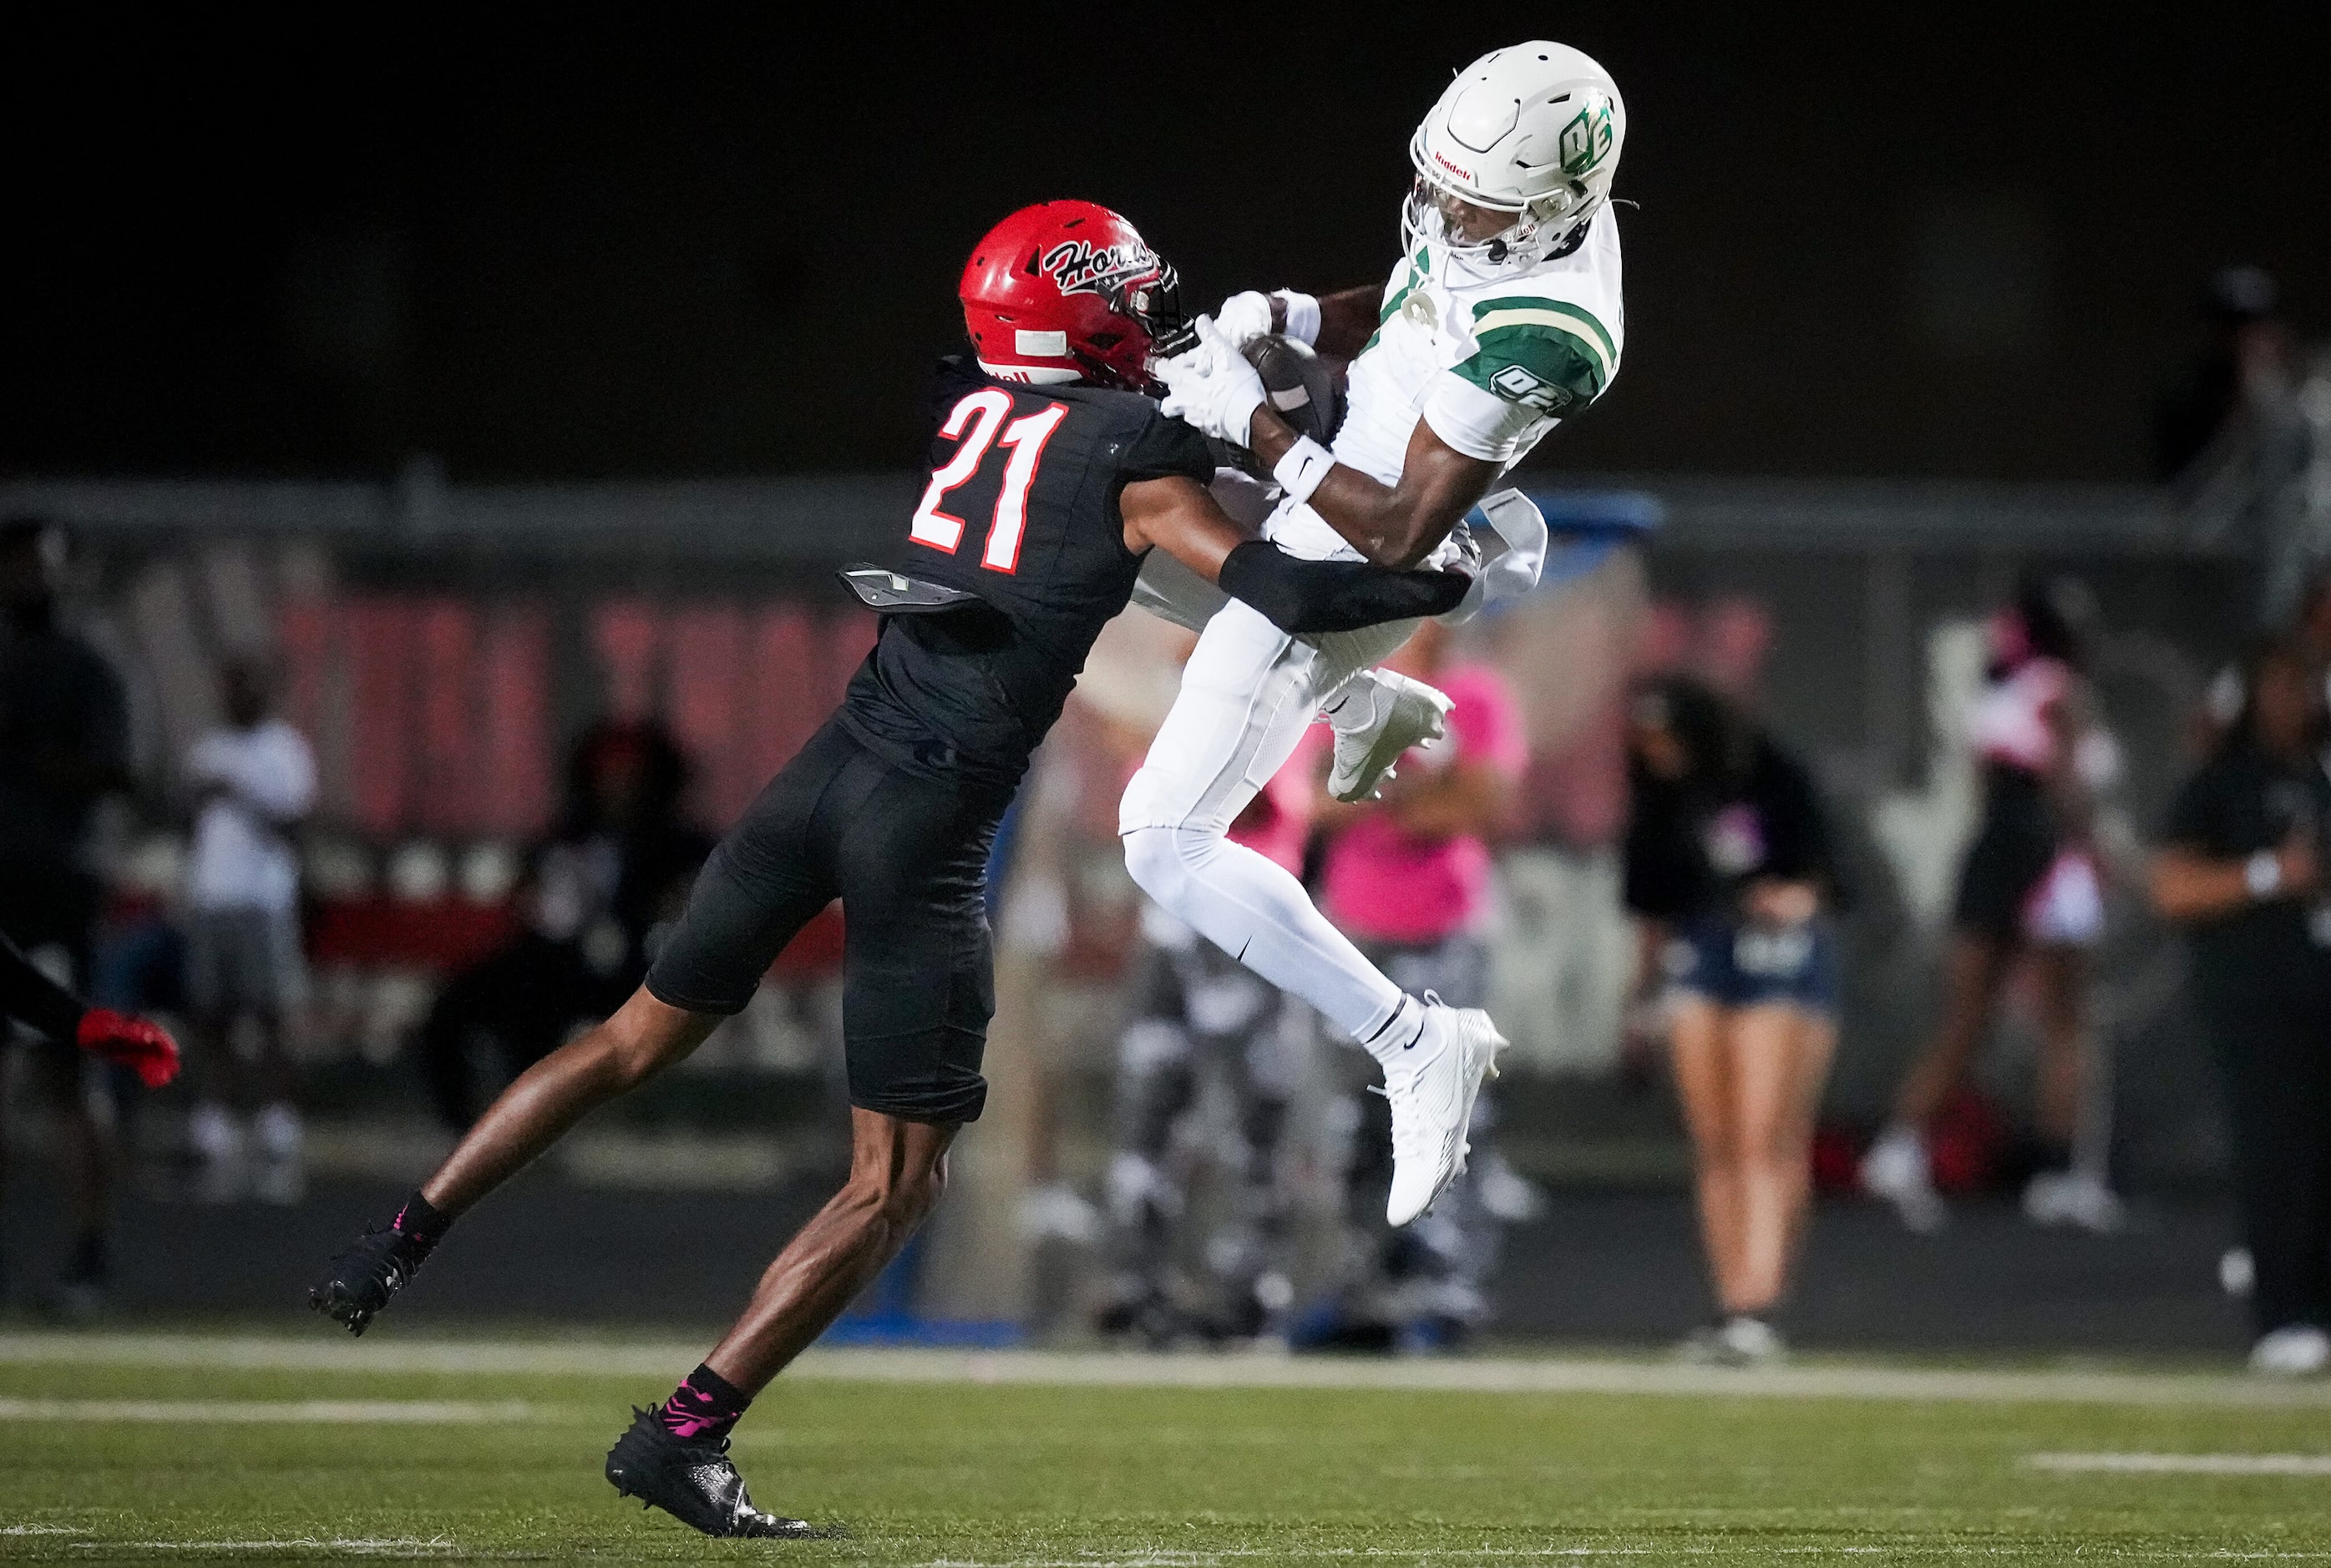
column 162, row 1448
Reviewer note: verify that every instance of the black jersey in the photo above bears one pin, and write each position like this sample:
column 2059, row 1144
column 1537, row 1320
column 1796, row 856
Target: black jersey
column 1020, row 508
column 1691, row 847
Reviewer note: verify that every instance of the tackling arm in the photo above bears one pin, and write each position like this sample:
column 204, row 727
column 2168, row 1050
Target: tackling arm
column 1176, row 514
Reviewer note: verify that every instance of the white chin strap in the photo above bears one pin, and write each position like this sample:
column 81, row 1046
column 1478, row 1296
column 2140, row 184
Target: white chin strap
column 1032, row 374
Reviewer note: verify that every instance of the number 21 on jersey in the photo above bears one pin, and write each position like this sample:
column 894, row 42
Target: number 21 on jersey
column 972, row 424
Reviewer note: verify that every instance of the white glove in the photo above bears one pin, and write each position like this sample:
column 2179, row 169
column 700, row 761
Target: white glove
column 1212, row 385
column 1243, row 317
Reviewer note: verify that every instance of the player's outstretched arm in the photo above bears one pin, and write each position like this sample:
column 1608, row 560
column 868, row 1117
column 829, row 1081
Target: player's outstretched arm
column 1338, row 324
column 1394, row 525
column 1176, row 514
column 1212, row 387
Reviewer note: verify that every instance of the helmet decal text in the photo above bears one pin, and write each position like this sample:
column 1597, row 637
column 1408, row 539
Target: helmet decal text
column 1460, row 170
column 1080, row 267
column 1586, row 139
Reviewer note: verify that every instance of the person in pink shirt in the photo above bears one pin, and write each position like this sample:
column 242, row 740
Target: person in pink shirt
column 1410, row 879
column 1197, row 1012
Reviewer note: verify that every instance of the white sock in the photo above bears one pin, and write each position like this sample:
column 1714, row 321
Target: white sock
column 1248, row 906
column 1403, row 1029
column 1353, row 708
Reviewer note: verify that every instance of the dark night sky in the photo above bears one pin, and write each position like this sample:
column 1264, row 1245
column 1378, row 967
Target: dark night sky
column 1947, row 247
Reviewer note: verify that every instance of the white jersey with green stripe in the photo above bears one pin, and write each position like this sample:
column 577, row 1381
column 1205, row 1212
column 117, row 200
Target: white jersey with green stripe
column 1491, row 364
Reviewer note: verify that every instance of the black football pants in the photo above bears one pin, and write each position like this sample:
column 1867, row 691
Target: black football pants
column 906, row 854
column 2274, row 1063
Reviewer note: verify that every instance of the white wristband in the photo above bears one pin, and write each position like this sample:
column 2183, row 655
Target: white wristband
column 2263, row 874
column 1302, row 314
column 1306, row 465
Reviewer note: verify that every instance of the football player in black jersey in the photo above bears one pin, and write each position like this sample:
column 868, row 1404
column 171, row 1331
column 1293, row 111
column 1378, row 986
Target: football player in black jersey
column 1051, row 476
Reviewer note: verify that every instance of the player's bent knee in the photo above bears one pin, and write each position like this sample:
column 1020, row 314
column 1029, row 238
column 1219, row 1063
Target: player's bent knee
column 1150, row 860
column 1163, row 862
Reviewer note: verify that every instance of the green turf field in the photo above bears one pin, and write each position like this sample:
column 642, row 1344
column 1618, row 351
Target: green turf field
column 1032, row 1474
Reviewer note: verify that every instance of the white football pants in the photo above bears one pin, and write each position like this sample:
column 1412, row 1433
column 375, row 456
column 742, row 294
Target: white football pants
column 1248, row 693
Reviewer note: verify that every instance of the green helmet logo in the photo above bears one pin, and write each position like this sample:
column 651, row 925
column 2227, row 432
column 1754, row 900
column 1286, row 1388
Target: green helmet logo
column 1586, row 139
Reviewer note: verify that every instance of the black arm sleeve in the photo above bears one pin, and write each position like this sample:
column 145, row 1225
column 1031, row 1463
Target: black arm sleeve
column 32, row 998
column 1304, row 596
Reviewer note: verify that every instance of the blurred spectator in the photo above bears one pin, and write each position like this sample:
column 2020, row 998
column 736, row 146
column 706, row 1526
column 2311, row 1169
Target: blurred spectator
column 2311, row 634
column 63, row 743
column 1411, row 881
column 2242, row 868
column 616, row 868
column 1731, row 870
column 1199, row 1015
column 252, row 780
column 2029, row 888
column 2248, row 362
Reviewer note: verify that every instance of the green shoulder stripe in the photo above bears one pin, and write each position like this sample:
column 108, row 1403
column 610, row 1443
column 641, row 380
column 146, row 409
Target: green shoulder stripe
column 1538, row 360
column 1578, row 317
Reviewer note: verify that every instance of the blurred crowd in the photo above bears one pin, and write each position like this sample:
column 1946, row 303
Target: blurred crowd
column 1242, row 1188
column 204, row 925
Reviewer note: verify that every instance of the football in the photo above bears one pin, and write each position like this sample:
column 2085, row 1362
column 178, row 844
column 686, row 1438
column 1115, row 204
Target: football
column 1301, row 385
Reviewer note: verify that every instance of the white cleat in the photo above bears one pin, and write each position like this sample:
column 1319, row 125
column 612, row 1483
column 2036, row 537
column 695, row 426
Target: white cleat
column 1395, row 714
column 1431, row 1087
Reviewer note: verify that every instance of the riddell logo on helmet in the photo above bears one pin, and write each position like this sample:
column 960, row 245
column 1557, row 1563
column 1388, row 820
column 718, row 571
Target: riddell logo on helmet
column 1459, row 170
column 1080, row 267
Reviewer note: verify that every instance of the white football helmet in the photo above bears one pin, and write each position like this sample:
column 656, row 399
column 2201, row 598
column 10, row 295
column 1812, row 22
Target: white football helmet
column 1534, row 130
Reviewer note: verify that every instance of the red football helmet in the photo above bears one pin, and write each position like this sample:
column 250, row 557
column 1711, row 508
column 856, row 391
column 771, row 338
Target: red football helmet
column 1069, row 290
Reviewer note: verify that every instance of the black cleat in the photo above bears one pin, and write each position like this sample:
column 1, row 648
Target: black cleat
column 693, row 1482
column 374, row 1268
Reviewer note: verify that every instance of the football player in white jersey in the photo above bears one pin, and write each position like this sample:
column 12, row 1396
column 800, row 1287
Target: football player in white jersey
column 1502, row 317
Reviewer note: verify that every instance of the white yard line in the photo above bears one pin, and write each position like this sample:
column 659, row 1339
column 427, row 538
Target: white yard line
column 244, row 1412
column 2182, row 1464
column 1553, row 1375
column 353, row 1546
